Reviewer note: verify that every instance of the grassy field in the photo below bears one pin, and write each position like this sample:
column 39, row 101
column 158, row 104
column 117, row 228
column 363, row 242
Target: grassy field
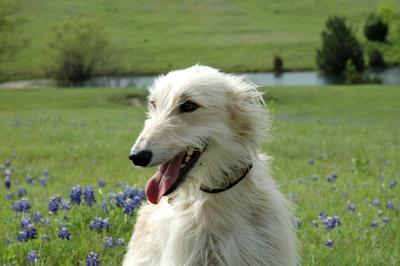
column 81, row 136
column 156, row 36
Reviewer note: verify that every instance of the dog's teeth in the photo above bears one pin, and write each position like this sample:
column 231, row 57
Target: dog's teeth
column 183, row 165
column 189, row 152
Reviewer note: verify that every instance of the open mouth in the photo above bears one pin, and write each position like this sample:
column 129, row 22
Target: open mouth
column 171, row 174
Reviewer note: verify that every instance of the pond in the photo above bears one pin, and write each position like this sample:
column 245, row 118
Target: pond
column 389, row 76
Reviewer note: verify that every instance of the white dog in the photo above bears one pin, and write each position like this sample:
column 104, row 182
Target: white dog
column 212, row 201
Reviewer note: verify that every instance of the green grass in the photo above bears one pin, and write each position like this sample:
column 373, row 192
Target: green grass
column 84, row 135
column 156, row 36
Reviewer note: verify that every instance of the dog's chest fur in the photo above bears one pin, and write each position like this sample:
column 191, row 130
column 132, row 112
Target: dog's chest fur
column 227, row 229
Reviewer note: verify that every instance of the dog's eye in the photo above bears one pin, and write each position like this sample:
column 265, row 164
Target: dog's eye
column 152, row 104
column 188, row 107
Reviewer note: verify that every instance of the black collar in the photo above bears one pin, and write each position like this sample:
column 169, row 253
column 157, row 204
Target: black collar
column 245, row 171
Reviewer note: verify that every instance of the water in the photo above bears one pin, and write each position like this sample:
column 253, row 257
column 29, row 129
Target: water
column 390, row 76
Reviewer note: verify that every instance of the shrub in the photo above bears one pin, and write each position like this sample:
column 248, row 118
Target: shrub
column 375, row 29
column 278, row 65
column 351, row 74
column 339, row 45
column 376, row 59
column 78, row 48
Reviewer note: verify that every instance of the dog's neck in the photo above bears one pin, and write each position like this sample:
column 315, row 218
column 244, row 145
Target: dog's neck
column 242, row 173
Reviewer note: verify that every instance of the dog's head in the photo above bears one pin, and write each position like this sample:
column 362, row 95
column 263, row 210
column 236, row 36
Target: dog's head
column 201, row 122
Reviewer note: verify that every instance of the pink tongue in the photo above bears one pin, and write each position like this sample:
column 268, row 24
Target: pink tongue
column 163, row 180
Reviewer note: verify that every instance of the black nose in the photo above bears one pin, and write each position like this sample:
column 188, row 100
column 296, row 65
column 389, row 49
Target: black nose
column 140, row 158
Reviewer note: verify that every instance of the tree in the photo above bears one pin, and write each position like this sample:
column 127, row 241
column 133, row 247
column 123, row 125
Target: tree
column 339, row 45
column 78, row 48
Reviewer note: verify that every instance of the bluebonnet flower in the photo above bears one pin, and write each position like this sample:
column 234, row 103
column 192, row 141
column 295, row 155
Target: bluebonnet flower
column 1, row 167
column 331, row 222
column 7, row 172
column 8, row 164
column 314, row 177
column 64, row 233
column 102, row 183
column 374, row 224
column 93, row 259
column 351, row 207
column 332, row 178
column 390, row 205
column 104, row 206
column 31, row 231
column 385, row 219
column 22, row 192
column 10, row 196
column 311, row 161
column 376, row 203
column 329, row 243
column 323, row 215
column 54, row 205
column 119, row 242
column 29, row 179
column 22, row 236
column 25, row 221
column 108, row 242
column 21, row 205
column 76, row 193
column 43, row 181
column 393, row 183
column 65, row 205
column 89, row 196
column 99, row 224
column 130, row 205
column 7, row 182
column 33, row 256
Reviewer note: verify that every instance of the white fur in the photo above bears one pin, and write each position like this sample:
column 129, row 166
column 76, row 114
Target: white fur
column 249, row 224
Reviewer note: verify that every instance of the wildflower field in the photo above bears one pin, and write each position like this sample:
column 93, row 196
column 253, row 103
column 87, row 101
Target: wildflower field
column 69, row 193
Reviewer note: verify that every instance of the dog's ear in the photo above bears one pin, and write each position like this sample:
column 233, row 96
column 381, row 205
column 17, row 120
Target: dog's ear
column 248, row 114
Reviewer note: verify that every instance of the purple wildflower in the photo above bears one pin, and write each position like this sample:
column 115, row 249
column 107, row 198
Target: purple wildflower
column 323, row 215
column 393, row 183
column 390, row 205
column 93, row 259
column 314, row 178
column 374, row 224
column 21, row 205
column 25, row 221
column 99, row 224
column 22, row 236
column 89, row 196
column 8, row 172
column 331, row 222
column 311, row 161
column 102, row 183
column 33, row 256
column 54, row 205
column 65, row 205
column 332, row 178
column 10, row 196
column 376, row 203
column 108, row 242
column 37, row 216
column 64, row 233
column 43, row 181
column 130, row 205
column 76, row 193
column 31, row 231
column 46, row 172
column 7, row 182
column 329, row 243
column 351, row 207
column 29, row 179
column 104, row 206
column 22, row 192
